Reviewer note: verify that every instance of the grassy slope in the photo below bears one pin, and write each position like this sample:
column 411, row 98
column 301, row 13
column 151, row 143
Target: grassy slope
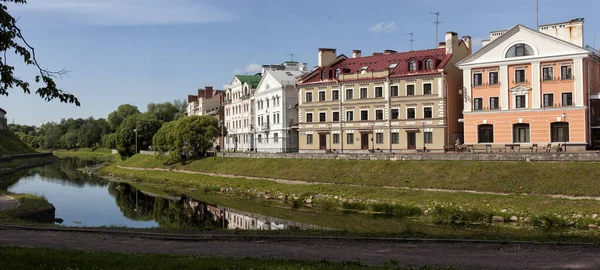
column 29, row 258
column 571, row 178
column 10, row 144
column 28, row 203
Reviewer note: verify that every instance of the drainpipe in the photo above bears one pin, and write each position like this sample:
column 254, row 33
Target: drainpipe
column 446, row 124
column 341, row 95
column 389, row 118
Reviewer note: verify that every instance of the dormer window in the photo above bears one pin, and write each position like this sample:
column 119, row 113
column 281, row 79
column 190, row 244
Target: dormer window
column 393, row 65
column 412, row 66
column 323, row 74
column 518, row 50
column 429, row 64
column 363, row 69
column 337, row 73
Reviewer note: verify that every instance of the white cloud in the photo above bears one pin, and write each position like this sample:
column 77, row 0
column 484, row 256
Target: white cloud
column 249, row 69
column 384, row 28
column 130, row 12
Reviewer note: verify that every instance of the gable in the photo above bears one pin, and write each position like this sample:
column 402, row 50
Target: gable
column 542, row 45
column 267, row 80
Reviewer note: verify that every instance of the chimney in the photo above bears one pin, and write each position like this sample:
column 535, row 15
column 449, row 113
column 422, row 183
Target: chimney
column 442, row 45
column 468, row 42
column 356, row 53
column 451, row 42
column 201, row 93
column 192, row 98
column 209, row 91
column 389, row 51
column 326, row 56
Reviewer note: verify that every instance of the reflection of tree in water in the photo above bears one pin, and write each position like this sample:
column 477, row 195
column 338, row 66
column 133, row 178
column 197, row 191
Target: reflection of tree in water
column 65, row 171
column 7, row 180
column 168, row 213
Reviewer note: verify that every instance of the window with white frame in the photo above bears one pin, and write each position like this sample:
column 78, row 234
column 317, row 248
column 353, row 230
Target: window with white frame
column 321, row 97
column 309, row 118
column 364, row 93
column 322, row 117
column 410, row 113
column 378, row 91
column 364, row 115
column 309, row 138
column 308, row 97
column 427, row 112
column 395, row 113
column 349, row 116
column 427, row 89
column 335, row 116
column 275, row 137
column 477, row 79
column 349, row 94
column 336, row 138
column 378, row 114
column 379, row 138
column 548, row 100
column 428, row 137
column 520, row 76
column 350, row 138
column 335, row 95
column 566, row 72
column 547, row 73
column 410, row 89
column 520, row 101
column 395, row 138
column 395, row 91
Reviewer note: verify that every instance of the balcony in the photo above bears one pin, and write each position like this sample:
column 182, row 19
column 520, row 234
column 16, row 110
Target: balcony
column 485, row 85
column 265, row 127
column 525, row 82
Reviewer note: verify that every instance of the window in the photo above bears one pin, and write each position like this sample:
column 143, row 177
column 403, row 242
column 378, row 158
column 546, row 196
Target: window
column 336, row 117
column 379, row 138
column 364, row 115
column 395, row 138
column 395, row 92
column 518, row 50
column 559, row 132
column 349, row 116
column 410, row 113
column 485, row 134
column 395, row 113
column 260, row 139
column 410, row 90
column 493, row 77
column 548, row 100
column 350, row 138
column 521, row 133
column 321, row 97
column 520, row 101
column 268, row 103
column 323, row 74
column 520, row 76
column 349, row 93
column 428, row 137
column 427, row 112
column 379, row 91
column 309, row 118
column 429, row 64
column 547, row 74
column 477, row 79
column 565, row 72
column 478, row 104
column 335, row 95
column 393, row 65
column 322, row 117
column 309, row 97
column 494, row 103
column 378, row 114
column 337, row 72
column 275, row 137
column 309, row 138
column 567, row 99
column 427, row 89
column 336, row 138
column 363, row 93
column 412, row 66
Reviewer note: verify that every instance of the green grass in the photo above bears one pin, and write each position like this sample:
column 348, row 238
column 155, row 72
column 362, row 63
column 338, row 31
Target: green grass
column 28, row 203
column 36, row 258
column 103, row 153
column 568, row 178
column 10, row 144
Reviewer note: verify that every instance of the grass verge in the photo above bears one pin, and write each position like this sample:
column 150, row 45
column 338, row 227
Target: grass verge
column 10, row 144
column 27, row 210
column 97, row 153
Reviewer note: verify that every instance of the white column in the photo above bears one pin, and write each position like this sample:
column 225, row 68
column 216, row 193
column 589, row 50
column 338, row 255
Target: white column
column 536, row 85
column 578, row 72
column 440, row 87
column 386, row 92
column 467, row 98
column 504, row 87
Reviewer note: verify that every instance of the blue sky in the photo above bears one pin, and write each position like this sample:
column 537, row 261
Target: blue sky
column 142, row 51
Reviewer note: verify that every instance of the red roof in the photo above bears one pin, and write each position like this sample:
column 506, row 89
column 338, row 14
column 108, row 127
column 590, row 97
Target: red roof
column 381, row 62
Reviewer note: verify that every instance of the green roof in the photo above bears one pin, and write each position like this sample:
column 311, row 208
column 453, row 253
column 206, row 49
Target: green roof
column 253, row 80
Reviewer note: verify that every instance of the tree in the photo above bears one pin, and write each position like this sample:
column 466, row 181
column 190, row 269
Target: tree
column 110, row 140
column 11, row 38
column 192, row 135
column 166, row 112
column 146, row 125
column 116, row 118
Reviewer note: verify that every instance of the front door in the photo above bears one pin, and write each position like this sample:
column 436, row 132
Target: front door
column 364, row 141
column 323, row 142
column 412, row 140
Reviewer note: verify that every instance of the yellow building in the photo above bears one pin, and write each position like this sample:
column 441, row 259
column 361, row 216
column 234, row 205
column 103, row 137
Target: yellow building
column 391, row 101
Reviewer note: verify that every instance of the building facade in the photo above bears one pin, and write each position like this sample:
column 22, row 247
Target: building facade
column 3, row 121
column 239, row 113
column 208, row 102
column 526, row 86
column 388, row 101
column 276, row 101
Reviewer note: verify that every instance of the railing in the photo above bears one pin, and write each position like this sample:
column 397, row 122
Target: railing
column 485, row 85
column 486, row 109
column 557, row 79
column 265, row 126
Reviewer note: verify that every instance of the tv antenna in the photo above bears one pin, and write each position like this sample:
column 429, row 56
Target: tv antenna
column 292, row 55
column 437, row 26
column 411, row 39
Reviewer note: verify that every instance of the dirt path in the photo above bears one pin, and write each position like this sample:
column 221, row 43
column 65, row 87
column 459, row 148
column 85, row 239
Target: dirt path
column 298, row 182
column 7, row 203
column 415, row 253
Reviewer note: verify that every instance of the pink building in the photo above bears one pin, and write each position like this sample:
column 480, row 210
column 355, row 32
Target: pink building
column 533, row 87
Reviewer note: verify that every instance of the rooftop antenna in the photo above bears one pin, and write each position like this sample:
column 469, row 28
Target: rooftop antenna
column 537, row 14
column 437, row 25
column 292, row 55
column 411, row 39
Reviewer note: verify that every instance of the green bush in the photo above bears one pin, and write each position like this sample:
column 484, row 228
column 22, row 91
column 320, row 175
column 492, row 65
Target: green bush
column 549, row 221
column 354, row 206
column 296, row 203
column 396, row 210
column 457, row 216
column 327, row 205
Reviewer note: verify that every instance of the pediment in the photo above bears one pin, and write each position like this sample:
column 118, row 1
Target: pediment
column 520, row 89
column 543, row 45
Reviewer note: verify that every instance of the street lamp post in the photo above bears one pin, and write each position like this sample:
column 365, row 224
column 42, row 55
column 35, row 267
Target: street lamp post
column 136, row 147
column 424, row 148
column 372, row 138
column 564, row 117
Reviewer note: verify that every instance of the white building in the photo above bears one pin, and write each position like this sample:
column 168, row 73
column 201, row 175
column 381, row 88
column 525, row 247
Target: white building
column 276, row 111
column 207, row 102
column 239, row 109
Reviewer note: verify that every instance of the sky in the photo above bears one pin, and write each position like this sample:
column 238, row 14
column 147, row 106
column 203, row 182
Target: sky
column 143, row 51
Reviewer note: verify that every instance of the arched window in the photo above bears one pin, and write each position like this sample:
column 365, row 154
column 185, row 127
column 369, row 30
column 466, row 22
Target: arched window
column 485, row 133
column 337, row 72
column 520, row 49
column 521, row 133
column 323, row 74
column 429, row 64
column 412, row 65
column 559, row 132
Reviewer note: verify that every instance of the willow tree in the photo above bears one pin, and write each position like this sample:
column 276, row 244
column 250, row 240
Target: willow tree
column 12, row 40
column 188, row 136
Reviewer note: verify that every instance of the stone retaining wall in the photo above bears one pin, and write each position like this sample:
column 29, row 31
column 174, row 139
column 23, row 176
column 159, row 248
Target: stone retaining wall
column 522, row 156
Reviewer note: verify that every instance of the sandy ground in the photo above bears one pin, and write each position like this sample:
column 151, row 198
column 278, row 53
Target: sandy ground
column 7, row 203
column 415, row 253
